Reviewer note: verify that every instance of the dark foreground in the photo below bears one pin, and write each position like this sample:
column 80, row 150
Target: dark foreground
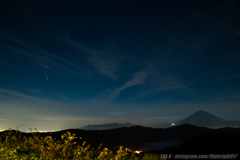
column 199, row 140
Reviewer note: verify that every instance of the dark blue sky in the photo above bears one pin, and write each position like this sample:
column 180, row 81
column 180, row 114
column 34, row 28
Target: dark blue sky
column 67, row 64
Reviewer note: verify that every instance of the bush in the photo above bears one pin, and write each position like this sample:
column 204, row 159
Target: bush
column 35, row 148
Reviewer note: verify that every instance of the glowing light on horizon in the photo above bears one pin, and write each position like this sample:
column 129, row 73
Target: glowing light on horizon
column 138, row 152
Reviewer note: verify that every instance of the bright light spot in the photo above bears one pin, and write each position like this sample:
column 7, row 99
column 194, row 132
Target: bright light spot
column 172, row 124
column 138, row 152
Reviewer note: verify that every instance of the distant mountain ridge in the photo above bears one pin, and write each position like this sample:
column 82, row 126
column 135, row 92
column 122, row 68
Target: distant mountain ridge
column 106, row 126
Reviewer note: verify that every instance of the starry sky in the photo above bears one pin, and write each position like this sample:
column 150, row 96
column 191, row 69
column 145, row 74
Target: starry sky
column 67, row 64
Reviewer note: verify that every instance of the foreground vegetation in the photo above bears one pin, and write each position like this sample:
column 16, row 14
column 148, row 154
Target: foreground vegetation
column 16, row 147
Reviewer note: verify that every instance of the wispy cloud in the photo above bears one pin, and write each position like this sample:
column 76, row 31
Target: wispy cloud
column 42, row 57
column 32, row 90
column 209, row 95
column 60, row 59
column 137, row 79
column 10, row 37
column 18, row 94
column 161, row 82
column 163, row 88
column 105, row 64
column 62, row 95
column 2, row 96
column 22, row 110
column 106, row 60
column 34, row 103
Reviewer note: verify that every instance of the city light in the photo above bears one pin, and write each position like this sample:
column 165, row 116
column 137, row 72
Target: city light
column 138, row 152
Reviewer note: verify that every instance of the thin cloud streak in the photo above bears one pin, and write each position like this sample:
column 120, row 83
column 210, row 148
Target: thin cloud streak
column 138, row 78
column 35, row 91
column 102, row 59
column 106, row 60
column 22, row 103
column 42, row 57
column 162, row 88
column 14, row 39
column 18, row 94
column 105, row 64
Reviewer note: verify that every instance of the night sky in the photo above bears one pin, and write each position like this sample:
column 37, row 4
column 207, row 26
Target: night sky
column 67, row 64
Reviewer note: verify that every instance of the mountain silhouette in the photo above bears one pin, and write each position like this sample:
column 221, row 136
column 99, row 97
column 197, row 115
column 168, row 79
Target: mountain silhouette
column 200, row 118
column 106, row 126
column 203, row 119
